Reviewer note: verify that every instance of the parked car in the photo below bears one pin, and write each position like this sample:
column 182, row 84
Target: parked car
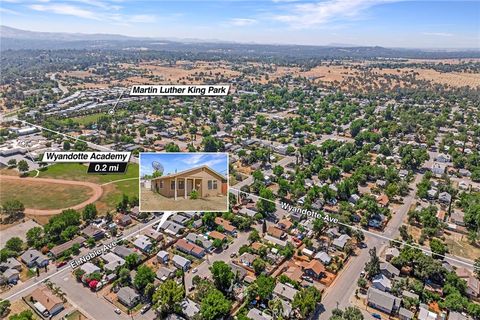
column 145, row 308
column 376, row 316
column 194, row 270
column 117, row 311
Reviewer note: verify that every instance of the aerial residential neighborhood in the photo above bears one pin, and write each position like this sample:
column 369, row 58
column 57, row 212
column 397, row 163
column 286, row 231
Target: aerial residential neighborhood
column 337, row 176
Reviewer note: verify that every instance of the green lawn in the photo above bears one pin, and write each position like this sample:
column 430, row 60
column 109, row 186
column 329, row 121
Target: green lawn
column 112, row 193
column 45, row 196
column 112, row 197
column 78, row 172
column 76, row 315
column 88, row 119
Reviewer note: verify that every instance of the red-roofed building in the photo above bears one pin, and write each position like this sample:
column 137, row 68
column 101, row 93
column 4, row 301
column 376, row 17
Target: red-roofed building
column 190, row 248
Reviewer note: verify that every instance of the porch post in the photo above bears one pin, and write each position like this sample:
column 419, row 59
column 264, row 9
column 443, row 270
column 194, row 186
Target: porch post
column 176, row 188
column 185, row 188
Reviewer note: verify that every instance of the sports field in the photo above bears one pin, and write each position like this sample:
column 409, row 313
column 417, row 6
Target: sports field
column 113, row 185
column 44, row 195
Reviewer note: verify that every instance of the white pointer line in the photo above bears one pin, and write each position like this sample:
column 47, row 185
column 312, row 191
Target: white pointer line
column 67, row 267
column 376, row 234
column 112, row 110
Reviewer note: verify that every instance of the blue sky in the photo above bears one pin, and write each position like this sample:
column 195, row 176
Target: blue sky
column 180, row 162
column 391, row 23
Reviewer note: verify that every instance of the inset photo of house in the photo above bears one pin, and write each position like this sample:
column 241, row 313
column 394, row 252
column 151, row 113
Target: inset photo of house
column 183, row 181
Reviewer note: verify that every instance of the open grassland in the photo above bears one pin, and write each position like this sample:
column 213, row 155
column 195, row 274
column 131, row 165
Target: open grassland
column 44, row 196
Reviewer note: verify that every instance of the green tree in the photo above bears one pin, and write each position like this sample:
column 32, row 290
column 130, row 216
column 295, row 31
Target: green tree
column 23, row 166
column 12, row 162
column 214, row 305
column 168, row 297
column 90, row 212
column 217, row 243
column 259, row 265
column 24, row 315
column 211, row 144
column 262, row 287
column 172, row 147
column 477, row 268
column 149, row 291
column 14, row 244
column 372, row 267
column 266, row 204
column 306, row 301
column 35, row 237
column 438, row 248
column 4, row 306
column 14, row 209
column 222, row 275
column 144, row 276
column 350, row 313
column 66, row 146
column 254, row 236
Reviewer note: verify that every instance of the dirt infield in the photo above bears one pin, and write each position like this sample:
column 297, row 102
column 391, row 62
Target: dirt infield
column 96, row 189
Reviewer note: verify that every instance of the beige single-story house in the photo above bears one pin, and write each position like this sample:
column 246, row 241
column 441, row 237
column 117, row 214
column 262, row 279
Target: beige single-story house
column 205, row 180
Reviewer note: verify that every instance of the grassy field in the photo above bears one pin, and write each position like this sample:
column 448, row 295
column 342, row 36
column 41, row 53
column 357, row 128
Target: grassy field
column 88, row 119
column 78, row 172
column 44, row 196
column 113, row 191
column 76, row 315
column 459, row 246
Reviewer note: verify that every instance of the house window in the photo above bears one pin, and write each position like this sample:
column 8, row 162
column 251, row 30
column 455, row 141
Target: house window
column 181, row 185
column 172, row 185
column 212, row 184
column 161, row 184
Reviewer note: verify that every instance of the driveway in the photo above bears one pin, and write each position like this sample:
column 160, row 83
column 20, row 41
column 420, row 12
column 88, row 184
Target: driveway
column 17, row 230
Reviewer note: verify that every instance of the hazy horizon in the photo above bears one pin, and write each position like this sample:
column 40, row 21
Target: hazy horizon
column 386, row 23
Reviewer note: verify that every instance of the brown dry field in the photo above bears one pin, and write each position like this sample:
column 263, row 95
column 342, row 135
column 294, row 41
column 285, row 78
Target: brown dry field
column 19, row 306
column 158, row 72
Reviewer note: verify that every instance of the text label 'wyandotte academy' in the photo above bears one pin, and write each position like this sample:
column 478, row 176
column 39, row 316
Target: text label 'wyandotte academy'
column 86, row 157
column 180, row 90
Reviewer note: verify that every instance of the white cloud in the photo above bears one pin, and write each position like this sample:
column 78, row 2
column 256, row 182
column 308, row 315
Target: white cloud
column 66, row 9
column 193, row 159
column 100, row 4
column 93, row 10
column 242, row 22
column 5, row 10
column 322, row 12
column 438, row 34
column 142, row 18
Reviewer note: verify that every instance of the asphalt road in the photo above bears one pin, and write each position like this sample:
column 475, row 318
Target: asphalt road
column 202, row 269
column 342, row 290
column 81, row 297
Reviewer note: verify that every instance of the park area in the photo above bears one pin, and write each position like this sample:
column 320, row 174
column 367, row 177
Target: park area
column 43, row 195
column 67, row 185
column 113, row 185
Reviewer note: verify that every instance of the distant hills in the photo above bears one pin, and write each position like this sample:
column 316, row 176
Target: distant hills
column 17, row 39
column 13, row 33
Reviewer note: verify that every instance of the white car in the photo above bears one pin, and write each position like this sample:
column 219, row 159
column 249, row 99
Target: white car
column 194, row 270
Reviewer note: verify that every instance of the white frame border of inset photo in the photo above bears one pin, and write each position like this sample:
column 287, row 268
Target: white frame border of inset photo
column 227, row 176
